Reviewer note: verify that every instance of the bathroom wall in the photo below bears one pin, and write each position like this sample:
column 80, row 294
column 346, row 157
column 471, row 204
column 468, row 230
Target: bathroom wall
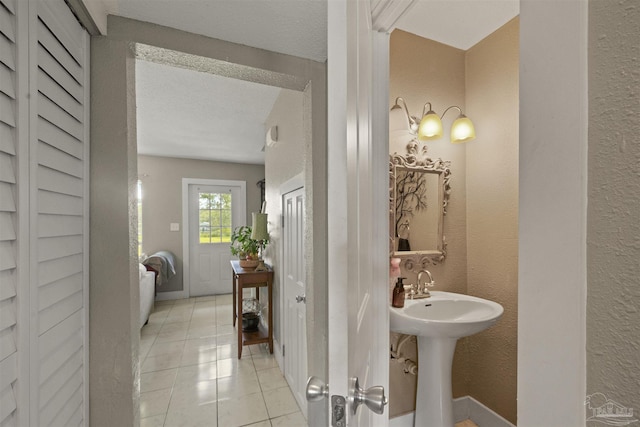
column 492, row 214
column 613, row 216
column 482, row 219
column 162, row 200
column 283, row 161
column 422, row 70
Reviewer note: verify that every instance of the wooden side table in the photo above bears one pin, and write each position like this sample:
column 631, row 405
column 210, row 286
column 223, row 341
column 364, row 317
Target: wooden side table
column 243, row 279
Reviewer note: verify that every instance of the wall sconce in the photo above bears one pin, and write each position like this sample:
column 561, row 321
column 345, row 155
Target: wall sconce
column 429, row 127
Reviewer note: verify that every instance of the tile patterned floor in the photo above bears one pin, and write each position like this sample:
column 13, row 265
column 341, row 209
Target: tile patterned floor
column 191, row 376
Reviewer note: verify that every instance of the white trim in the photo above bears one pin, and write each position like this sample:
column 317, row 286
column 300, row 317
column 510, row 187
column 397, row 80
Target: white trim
column 464, row 408
column 186, row 182
column 277, row 353
column 292, row 184
column 172, row 295
column 386, row 13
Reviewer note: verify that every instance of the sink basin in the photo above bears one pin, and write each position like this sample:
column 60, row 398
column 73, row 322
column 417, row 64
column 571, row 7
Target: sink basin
column 445, row 314
column 438, row 322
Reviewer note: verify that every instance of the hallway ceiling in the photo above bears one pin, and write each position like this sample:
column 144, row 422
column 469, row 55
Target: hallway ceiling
column 199, row 126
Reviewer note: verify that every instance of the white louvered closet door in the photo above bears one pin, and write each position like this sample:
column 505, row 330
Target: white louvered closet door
column 44, row 215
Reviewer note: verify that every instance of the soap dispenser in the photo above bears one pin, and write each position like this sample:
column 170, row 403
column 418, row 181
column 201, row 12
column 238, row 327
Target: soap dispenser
column 398, row 294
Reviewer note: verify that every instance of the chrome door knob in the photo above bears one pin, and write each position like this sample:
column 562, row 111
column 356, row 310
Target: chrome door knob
column 373, row 397
column 301, row 298
column 316, row 389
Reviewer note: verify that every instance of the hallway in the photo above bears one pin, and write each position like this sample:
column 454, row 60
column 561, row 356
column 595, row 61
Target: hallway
column 190, row 373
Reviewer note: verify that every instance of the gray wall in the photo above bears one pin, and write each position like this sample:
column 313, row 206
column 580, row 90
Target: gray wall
column 613, row 226
column 162, row 200
column 114, row 306
column 283, row 161
column 114, row 335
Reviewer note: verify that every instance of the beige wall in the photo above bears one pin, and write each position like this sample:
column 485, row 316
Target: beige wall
column 162, row 200
column 492, row 214
column 283, row 161
column 481, row 221
column 422, row 70
column 613, row 226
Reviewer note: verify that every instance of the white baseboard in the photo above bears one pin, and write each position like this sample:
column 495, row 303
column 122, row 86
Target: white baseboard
column 165, row 296
column 277, row 353
column 464, row 408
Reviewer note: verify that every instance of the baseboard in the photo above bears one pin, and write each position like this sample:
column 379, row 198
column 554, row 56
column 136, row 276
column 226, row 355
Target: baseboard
column 464, row 408
column 165, row 296
column 277, row 353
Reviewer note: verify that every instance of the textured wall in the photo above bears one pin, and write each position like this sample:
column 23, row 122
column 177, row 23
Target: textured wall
column 492, row 214
column 481, row 226
column 114, row 329
column 283, row 161
column 613, row 227
column 422, row 70
column 162, row 200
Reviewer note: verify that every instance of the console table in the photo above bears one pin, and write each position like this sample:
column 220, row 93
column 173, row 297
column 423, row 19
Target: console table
column 243, row 279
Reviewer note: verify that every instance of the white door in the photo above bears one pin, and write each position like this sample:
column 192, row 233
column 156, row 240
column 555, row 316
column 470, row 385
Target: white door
column 357, row 205
column 214, row 210
column 293, row 273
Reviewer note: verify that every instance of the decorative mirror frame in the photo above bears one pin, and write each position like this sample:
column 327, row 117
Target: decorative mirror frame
column 418, row 260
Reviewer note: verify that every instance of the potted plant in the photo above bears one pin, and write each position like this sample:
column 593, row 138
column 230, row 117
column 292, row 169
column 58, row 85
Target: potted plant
column 244, row 247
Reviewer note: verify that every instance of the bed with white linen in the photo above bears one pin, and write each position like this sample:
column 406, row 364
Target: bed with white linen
column 147, row 293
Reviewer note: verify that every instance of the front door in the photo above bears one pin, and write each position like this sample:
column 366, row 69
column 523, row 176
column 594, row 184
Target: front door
column 357, row 206
column 214, row 210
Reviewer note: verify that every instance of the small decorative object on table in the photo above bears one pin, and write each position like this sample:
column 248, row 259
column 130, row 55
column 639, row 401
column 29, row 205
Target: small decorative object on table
column 244, row 247
column 250, row 314
column 260, row 234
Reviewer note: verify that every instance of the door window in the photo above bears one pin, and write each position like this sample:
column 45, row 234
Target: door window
column 214, row 217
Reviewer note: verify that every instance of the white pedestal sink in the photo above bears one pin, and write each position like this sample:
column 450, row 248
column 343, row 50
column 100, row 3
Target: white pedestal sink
column 438, row 322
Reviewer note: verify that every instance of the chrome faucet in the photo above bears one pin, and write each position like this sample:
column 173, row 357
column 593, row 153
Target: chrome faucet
column 422, row 291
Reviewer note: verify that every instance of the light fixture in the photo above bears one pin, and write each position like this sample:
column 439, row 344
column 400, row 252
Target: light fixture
column 430, row 126
column 259, row 232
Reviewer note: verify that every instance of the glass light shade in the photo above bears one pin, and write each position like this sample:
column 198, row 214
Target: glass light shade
column 462, row 130
column 430, row 127
column 398, row 119
column 259, row 226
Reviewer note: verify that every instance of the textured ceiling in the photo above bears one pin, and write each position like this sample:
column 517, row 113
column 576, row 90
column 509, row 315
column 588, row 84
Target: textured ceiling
column 294, row 27
column 185, row 113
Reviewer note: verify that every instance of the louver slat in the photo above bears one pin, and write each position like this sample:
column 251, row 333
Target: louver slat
column 59, row 188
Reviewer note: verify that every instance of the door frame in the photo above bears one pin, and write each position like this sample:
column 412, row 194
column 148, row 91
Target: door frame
column 186, row 247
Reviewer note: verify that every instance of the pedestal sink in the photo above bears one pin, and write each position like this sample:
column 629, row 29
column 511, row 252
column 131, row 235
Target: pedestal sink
column 438, row 322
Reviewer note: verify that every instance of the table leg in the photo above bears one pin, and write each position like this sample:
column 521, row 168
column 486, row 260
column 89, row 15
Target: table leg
column 234, row 298
column 270, row 292
column 239, row 323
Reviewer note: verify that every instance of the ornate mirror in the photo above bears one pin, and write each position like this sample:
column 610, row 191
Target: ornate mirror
column 419, row 192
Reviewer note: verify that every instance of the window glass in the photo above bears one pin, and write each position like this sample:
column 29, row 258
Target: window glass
column 215, row 217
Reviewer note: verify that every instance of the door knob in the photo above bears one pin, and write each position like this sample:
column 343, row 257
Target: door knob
column 301, row 298
column 316, row 389
column 373, row 397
